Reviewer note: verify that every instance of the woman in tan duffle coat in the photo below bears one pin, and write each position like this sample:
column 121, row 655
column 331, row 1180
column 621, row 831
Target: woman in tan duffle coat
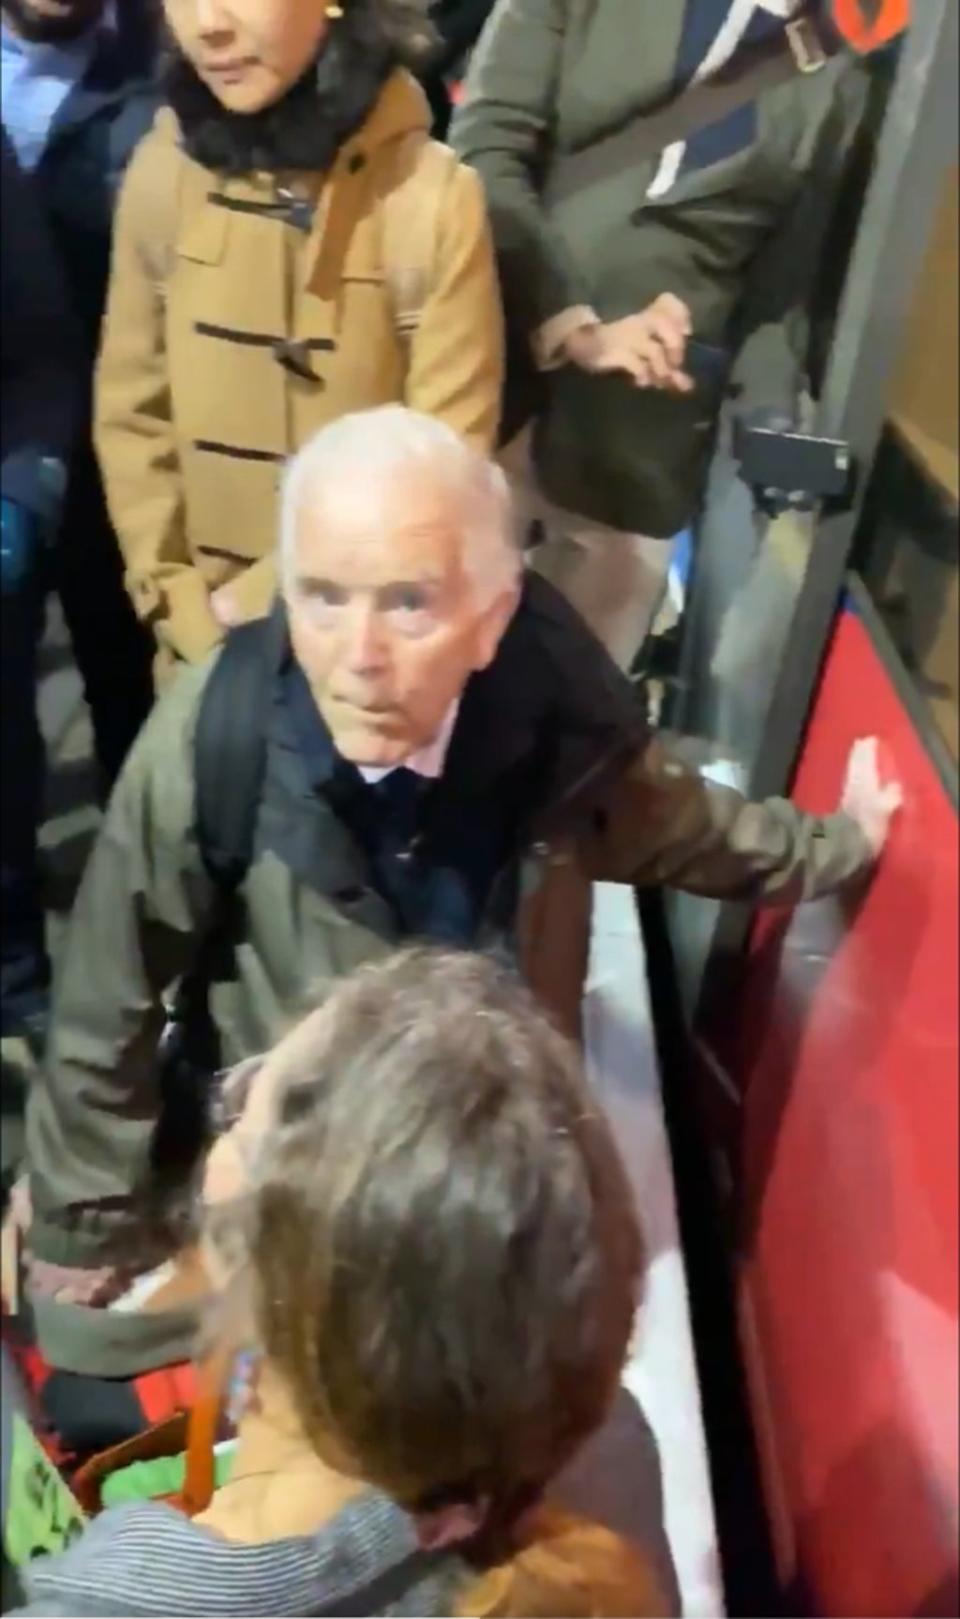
column 290, row 246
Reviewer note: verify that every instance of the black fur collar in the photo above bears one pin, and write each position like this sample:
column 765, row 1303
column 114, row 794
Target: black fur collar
column 303, row 131
column 306, row 129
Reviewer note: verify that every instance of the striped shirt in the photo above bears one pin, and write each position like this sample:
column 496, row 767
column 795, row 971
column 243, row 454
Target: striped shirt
column 148, row 1559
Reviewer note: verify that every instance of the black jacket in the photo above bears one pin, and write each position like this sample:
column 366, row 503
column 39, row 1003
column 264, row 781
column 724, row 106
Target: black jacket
column 90, row 144
column 38, row 383
column 459, row 24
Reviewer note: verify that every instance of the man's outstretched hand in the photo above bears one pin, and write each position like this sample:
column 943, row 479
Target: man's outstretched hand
column 866, row 798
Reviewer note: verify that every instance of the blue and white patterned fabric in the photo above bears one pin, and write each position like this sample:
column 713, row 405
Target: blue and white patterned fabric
column 37, row 80
column 712, row 31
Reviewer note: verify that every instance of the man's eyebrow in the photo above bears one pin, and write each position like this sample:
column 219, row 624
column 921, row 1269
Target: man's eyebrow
column 430, row 581
column 314, row 581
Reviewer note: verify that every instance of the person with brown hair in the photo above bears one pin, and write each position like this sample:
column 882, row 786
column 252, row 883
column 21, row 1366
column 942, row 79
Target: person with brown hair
column 290, row 246
column 424, row 1229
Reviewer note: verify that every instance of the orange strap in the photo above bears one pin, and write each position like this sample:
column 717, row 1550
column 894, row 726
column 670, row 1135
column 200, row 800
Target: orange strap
column 213, row 1381
column 193, row 1432
column 165, row 1439
column 866, row 25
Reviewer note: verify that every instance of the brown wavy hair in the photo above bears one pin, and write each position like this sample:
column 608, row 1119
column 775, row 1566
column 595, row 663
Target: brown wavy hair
column 446, row 1265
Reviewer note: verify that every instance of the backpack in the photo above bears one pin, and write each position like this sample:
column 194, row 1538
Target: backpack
column 230, row 747
column 229, row 760
column 409, row 217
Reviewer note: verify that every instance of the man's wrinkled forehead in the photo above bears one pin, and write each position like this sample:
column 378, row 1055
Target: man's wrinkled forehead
column 391, row 519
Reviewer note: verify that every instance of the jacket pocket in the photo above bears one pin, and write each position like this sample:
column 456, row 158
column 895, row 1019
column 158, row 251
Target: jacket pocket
column 232, row 502
column 202, row 226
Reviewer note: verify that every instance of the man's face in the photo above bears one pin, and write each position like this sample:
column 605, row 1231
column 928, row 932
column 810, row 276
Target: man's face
column 386, row 621
column 51, row 21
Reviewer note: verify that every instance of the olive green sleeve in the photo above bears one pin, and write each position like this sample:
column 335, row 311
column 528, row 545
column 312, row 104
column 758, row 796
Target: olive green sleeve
column 663, row 823
column 142, row 903
column 502, row 130
column 792, row 286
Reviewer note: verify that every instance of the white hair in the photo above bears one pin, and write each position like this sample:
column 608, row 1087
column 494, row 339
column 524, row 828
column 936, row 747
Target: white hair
column 372, row 444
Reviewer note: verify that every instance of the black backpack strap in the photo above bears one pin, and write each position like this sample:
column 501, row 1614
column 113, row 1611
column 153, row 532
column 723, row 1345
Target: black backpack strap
column 230, row 747
column 229, row 762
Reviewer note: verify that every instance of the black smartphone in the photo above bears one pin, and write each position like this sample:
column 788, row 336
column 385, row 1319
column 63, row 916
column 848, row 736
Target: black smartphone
column 707, row 363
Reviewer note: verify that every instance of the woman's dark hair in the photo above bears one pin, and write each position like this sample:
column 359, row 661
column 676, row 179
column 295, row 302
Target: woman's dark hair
column 307, row 127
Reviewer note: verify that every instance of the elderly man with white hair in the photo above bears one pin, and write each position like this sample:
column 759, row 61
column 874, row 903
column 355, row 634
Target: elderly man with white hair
column 421, row 742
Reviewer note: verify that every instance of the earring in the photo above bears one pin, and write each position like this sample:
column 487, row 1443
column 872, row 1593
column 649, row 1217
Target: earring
column 334, row 11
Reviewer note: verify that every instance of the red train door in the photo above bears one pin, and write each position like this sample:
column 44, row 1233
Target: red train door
column 826, row 1044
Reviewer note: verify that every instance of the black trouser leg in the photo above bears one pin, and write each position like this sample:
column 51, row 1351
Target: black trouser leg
column 113, row 650
column 26, row 970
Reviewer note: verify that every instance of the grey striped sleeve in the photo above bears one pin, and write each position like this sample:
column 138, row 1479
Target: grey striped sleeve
column 147, row 1559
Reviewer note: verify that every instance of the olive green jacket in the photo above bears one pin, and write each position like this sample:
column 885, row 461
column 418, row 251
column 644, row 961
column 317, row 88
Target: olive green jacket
column 607, row 804
column 738, row 240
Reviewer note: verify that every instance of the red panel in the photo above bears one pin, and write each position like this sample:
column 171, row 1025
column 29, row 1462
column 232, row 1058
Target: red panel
column 848, row 1058
column 165, row 1392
